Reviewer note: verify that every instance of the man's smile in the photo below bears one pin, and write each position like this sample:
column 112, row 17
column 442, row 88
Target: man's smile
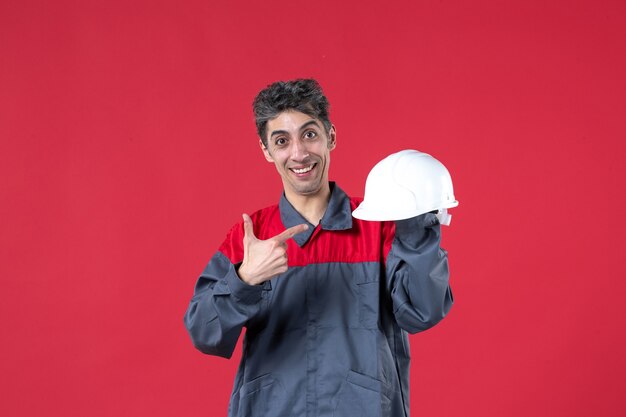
column 304, row 169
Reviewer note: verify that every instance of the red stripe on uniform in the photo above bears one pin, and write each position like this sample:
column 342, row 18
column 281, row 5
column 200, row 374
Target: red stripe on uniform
column 364, row 242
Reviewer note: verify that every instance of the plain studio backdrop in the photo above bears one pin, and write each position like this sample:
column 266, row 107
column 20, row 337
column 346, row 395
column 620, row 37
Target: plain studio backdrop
column 128, row 149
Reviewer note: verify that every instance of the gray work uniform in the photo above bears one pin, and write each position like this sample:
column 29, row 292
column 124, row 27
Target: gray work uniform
column 329, row 336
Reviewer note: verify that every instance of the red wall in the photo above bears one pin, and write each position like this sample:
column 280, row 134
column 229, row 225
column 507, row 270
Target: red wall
column 128, row 149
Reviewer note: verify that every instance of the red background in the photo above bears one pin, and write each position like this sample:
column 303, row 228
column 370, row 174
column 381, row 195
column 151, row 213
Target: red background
column 128, row 149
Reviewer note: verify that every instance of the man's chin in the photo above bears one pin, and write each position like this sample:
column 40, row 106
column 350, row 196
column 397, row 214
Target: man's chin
column 308, row 189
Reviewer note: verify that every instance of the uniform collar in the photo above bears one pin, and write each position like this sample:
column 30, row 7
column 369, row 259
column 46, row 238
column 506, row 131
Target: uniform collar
column 338, row 215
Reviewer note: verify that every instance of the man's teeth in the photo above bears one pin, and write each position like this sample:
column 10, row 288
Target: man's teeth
column 303, row 170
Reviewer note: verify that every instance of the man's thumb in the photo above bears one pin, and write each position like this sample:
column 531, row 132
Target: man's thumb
column 248, row 228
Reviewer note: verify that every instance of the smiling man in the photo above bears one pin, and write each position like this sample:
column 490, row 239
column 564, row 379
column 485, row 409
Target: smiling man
column 327, row 300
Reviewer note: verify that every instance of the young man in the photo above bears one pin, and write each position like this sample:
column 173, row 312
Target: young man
column 326, row 299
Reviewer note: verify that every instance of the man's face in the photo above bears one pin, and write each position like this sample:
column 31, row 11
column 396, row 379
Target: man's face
column 299, row 147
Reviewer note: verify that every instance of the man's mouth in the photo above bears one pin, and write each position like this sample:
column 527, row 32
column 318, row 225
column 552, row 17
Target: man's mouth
column 303, row 170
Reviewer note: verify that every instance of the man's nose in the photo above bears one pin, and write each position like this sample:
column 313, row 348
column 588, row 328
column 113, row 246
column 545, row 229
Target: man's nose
column 299, row 151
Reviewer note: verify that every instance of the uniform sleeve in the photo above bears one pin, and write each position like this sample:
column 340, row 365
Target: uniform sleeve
column 417, row 274
column 221, row 305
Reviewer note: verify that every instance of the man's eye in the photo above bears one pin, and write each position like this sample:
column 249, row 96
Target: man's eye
column 310, row 134
column 280, row 141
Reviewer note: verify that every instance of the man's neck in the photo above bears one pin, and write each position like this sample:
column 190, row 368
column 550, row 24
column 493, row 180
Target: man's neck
column 311, row 207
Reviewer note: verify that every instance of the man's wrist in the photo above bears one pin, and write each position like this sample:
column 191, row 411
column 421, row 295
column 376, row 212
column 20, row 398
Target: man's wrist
column 243, row 275
column 243, row 291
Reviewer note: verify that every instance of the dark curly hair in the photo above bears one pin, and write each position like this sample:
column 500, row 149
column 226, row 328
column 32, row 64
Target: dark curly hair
column 303, row 95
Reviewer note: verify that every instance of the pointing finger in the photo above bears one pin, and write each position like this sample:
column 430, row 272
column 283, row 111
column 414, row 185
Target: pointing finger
column 291, row 232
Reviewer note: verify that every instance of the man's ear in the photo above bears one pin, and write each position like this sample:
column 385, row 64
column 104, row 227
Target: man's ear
column 332, row 138
column 266, row 152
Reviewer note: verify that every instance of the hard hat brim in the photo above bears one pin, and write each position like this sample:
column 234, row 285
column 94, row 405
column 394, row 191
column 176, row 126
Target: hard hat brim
column 365, row 212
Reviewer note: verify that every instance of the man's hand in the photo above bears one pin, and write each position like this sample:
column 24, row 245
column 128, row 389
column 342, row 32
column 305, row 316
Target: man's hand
column 264, row 259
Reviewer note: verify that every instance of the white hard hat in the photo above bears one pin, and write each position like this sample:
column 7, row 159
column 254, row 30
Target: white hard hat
column 404, row 185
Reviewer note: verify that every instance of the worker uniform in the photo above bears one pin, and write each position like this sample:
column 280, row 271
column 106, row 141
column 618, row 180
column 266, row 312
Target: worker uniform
column 329, row 336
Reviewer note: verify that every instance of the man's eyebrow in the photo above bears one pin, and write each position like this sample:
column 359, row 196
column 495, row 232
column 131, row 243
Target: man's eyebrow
column 309, row 123
column 278, row 132
column 304, row 126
